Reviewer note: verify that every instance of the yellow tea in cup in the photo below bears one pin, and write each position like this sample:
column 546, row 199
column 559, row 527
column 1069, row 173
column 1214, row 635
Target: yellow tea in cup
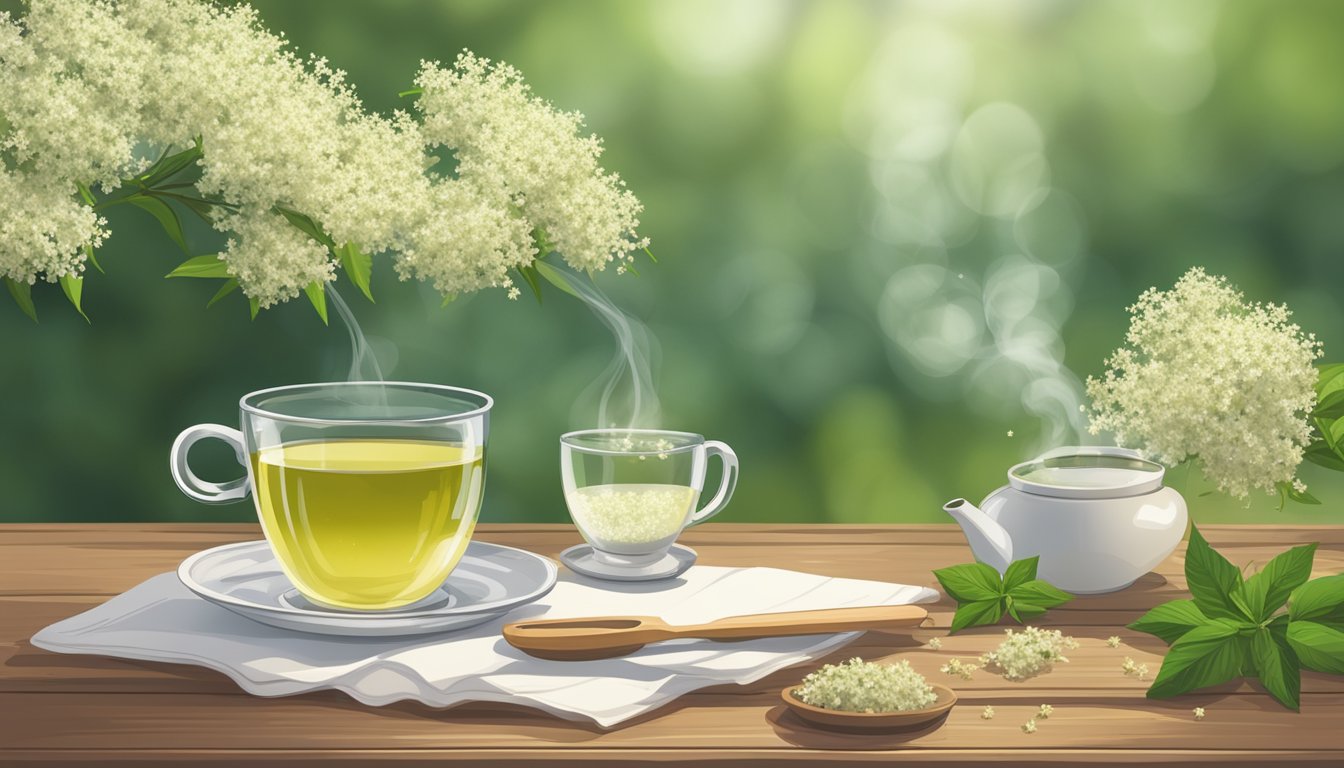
column 368, row 523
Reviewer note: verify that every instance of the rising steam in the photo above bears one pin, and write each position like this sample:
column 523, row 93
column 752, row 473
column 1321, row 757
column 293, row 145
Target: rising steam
column 363, row 364
column 625, row 393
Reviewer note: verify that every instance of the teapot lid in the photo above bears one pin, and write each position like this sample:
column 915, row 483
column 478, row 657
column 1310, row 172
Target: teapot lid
column 1088, row 472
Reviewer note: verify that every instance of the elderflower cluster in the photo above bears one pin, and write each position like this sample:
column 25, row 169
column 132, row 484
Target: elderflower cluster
column 859, row 686
column 1130, row 668
column 92, row 90
column 1206, row 374
column 958, row 668
column 1030, row 652
column 519, row 146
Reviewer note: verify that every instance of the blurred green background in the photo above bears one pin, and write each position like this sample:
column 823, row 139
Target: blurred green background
column 886, row 232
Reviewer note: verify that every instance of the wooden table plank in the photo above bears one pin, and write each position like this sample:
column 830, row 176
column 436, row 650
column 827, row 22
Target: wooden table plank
column 72, row 709
column 750, row 721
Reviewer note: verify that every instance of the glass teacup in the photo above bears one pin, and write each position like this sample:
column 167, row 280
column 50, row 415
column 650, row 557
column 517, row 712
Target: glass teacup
column 631, row 492
column 367, row 492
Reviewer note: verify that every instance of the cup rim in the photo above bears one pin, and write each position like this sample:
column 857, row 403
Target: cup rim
column 256, row 410
column 567, row 439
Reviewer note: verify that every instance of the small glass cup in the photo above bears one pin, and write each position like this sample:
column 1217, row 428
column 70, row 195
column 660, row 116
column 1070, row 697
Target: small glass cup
column 631, row 492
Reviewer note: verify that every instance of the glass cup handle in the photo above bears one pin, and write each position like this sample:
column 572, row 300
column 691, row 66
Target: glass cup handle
column 726, row 485
column 204, row 490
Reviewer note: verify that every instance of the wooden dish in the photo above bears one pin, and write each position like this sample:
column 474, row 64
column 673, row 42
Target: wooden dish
column 872, row 722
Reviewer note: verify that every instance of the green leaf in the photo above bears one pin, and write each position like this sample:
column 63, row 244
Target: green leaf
column 1318, row 646
column 977, row 613
column 170, row 165
column 358, row 266
column 1036, row 597
column 202, row 208
column 543, row 243
column 1301, row 497
column 1329, row 387
column 228, row 287
column 529, row 274
column 970, row 582
column 1277, row 664
column 556, row 277
column 88, row 253
column 1206, row 655
column 1211, row 579
column 73, row 285
column 23, row 296
column 1019, row 572
column 209, row 265
column 1265, row 592
column 254, row 306
column 317, row 294
column 85, row 194
column 1171, row 620
column 1321, row 454
column 1320, row 600
column 1329, row 406
column 167, row 218
column 306, row 225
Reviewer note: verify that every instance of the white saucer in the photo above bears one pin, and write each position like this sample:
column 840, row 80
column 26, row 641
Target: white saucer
column 579, row 558
column 489, row 581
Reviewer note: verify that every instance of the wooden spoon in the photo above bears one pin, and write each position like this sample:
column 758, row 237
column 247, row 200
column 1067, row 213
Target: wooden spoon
column 605, row 637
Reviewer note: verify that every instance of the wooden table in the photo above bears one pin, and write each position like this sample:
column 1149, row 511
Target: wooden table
column 78, row 710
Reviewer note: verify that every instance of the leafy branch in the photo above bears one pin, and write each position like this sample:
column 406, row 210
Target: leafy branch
column 162, row 191
column 1236, row 626
column 983, row 597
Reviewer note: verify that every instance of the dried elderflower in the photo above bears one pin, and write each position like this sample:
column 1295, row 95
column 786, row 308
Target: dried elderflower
column 958, row 668
column 1030, row 652
column 859, row 686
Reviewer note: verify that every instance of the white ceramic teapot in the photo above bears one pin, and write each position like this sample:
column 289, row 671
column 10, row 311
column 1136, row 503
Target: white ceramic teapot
column 1098, row 517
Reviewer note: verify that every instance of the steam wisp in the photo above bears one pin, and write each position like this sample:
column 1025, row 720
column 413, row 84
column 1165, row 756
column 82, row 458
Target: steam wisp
column 627, row 397
column 361, row 354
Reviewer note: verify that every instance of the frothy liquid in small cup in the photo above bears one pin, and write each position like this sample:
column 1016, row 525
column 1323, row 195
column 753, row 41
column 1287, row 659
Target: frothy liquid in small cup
column 631, row 514
column 368, row 524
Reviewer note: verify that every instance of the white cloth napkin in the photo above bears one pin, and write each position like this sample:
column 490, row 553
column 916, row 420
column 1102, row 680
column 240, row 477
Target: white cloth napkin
column 160, row 620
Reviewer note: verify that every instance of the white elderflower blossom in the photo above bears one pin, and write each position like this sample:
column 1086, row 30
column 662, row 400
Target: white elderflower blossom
column 936, row 643
column 43, row 229
column 987, row 713
column 1206, row 375
column 91, row 90
column 1029, row 726
column 504, row 136
column 1199, row 713
column 1132, row 669
column 1030, row 652
column 1113, row 641
column 958, row 668
column 272, row 260
column 859, row 686
column 1044, row 712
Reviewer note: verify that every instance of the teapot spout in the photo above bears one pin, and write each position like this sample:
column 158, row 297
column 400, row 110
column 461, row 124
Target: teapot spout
column 989, row 541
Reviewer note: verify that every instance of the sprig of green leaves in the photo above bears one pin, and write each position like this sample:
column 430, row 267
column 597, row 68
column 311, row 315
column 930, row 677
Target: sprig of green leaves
column 1326, row 448
column 1237, row 626
column 983, row 596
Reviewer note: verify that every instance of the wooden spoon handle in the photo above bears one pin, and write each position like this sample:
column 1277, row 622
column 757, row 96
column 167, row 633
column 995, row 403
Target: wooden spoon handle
column 808, row 622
